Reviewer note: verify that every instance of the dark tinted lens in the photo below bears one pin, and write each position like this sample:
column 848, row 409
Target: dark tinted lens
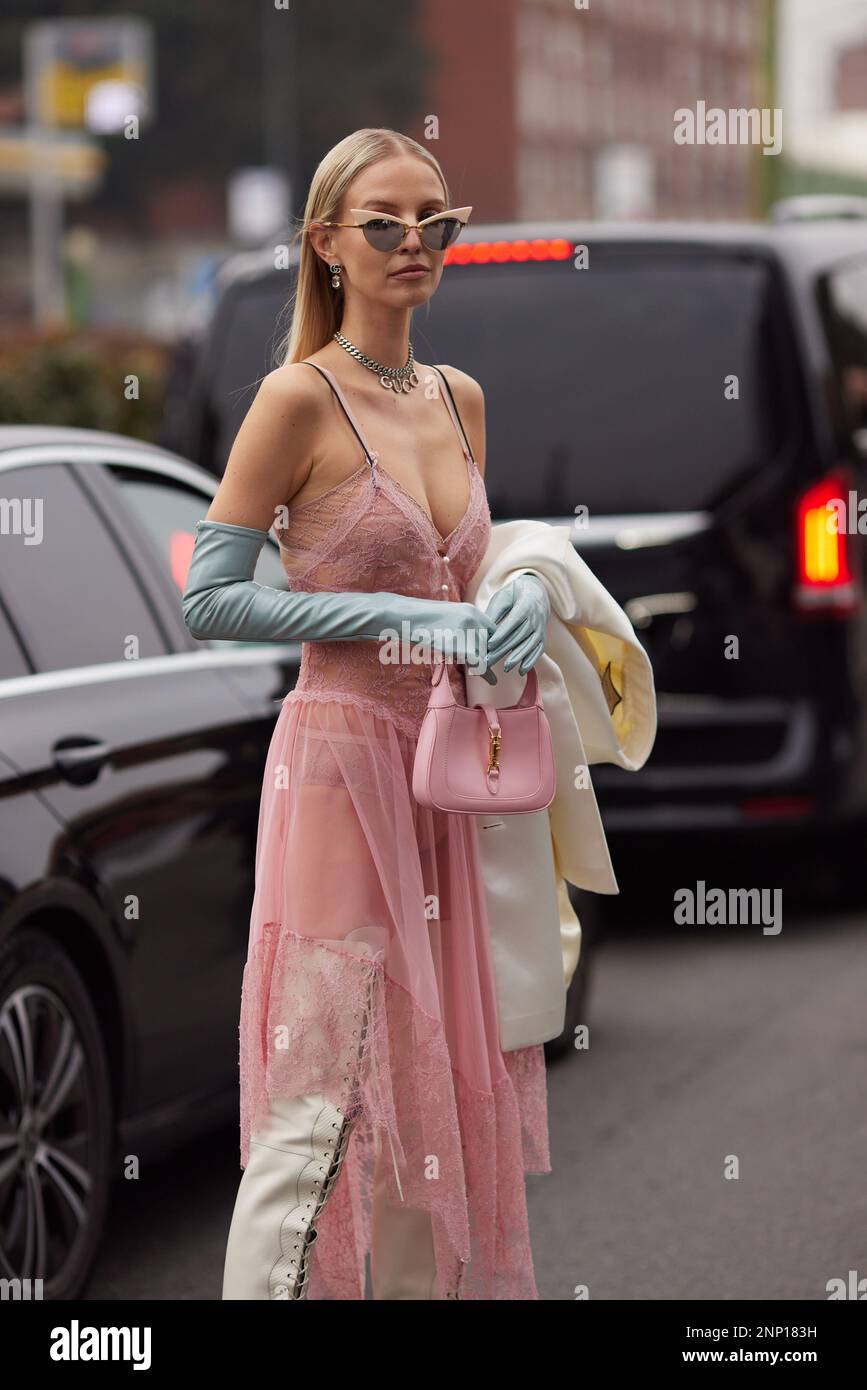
column 383, row 233
column 440, row 234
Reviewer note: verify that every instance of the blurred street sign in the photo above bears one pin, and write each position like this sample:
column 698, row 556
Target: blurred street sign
column 73, row 161
column 89, row 73
column 80, row 75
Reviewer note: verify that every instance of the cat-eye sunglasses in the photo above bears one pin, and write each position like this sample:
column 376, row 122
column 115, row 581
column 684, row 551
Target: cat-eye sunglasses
column 385, row 232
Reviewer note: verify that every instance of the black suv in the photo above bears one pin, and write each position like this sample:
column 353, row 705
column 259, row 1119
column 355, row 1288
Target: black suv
column 687, row 397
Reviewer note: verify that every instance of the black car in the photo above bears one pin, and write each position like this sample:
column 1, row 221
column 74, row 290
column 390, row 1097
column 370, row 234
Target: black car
column 131, row 760
column 131, row 763
column 686, row 397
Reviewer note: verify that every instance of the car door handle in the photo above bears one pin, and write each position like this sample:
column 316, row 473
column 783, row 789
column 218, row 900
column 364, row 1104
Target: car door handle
column 80, row 760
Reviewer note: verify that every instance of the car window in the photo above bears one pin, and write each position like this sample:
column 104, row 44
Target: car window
column 606, row 386
column 13, row 661
column 169, row 510
column 64, row 580
column 843, row 305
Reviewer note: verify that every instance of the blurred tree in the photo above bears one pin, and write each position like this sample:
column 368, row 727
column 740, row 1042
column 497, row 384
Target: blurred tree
column 69, row 378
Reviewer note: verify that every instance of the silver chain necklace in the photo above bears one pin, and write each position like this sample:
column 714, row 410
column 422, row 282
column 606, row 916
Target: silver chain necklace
column 392, row 378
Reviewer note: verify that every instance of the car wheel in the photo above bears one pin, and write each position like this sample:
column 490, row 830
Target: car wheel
column 587, row 911
column 55, row 1120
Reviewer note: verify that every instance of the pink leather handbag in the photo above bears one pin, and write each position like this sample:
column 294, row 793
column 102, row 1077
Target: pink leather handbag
column 481, row 758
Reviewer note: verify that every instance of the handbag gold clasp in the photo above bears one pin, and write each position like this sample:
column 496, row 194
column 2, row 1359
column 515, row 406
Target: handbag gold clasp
column 493, row 750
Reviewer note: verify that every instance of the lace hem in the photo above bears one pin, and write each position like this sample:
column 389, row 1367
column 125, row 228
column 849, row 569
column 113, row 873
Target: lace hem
column 324, row 1016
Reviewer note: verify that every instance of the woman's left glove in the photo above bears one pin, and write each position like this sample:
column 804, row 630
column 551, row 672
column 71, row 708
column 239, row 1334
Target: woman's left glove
column 521, row 610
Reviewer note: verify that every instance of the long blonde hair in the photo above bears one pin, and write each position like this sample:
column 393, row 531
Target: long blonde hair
column 316, row 307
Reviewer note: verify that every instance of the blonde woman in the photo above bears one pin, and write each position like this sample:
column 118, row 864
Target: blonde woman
column 379, row 1115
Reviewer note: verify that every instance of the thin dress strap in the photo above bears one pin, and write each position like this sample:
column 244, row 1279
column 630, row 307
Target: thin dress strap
column 458, row 422
column 371, row 455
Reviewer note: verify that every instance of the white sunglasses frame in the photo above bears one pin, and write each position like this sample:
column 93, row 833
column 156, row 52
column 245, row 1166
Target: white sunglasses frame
column 462, row 215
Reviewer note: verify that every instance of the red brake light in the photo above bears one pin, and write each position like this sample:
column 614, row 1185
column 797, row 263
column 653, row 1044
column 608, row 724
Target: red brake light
column 824, row 578
column 181, row 545
column 486, row 252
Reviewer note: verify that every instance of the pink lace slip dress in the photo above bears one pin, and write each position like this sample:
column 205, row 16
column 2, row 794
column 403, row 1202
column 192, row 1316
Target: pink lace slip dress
column 367, row 902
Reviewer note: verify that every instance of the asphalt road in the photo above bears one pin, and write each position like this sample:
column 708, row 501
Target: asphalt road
column 707, row 1044
column 710, row 1041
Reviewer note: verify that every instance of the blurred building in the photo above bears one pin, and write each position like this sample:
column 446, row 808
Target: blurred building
column 822, row 84
column 548, row 109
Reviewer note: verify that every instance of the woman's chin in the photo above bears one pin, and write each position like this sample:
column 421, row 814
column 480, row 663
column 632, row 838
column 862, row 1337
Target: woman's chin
column 414, row 291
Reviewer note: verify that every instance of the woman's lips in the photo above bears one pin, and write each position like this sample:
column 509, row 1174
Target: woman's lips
column 408, row 274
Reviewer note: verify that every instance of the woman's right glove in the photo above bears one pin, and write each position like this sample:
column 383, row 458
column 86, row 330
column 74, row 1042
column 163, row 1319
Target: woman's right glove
column 221, row 600
column 522, row 609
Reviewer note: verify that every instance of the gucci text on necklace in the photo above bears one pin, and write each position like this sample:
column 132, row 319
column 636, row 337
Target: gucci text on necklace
column 392, row 378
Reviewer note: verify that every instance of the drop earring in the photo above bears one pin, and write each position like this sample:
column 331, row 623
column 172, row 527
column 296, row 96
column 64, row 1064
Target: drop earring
column 335, row 274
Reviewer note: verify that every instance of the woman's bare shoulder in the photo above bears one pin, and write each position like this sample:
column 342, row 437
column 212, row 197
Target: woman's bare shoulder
column 462, row 383
column 294, row 384
column 470, row 401
column 272, row 455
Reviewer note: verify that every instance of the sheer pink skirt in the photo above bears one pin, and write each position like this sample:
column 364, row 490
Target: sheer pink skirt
column 369, row 980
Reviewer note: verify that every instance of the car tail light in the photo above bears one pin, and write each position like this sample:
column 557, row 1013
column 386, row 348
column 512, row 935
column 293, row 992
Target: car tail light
column 518, row 251
column 181, row 545
column 824, row 578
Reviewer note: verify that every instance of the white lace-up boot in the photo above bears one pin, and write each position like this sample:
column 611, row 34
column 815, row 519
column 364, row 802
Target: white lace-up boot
column 294, row 1162
column 293, row 1166
column 402, row 1263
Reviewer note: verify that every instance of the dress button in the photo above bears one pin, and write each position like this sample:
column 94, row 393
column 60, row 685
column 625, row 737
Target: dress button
column 446, row 558
column 444, row 587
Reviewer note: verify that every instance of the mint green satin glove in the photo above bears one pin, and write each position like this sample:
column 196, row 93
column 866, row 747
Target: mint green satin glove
column 522, row 609
column 222, row 601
